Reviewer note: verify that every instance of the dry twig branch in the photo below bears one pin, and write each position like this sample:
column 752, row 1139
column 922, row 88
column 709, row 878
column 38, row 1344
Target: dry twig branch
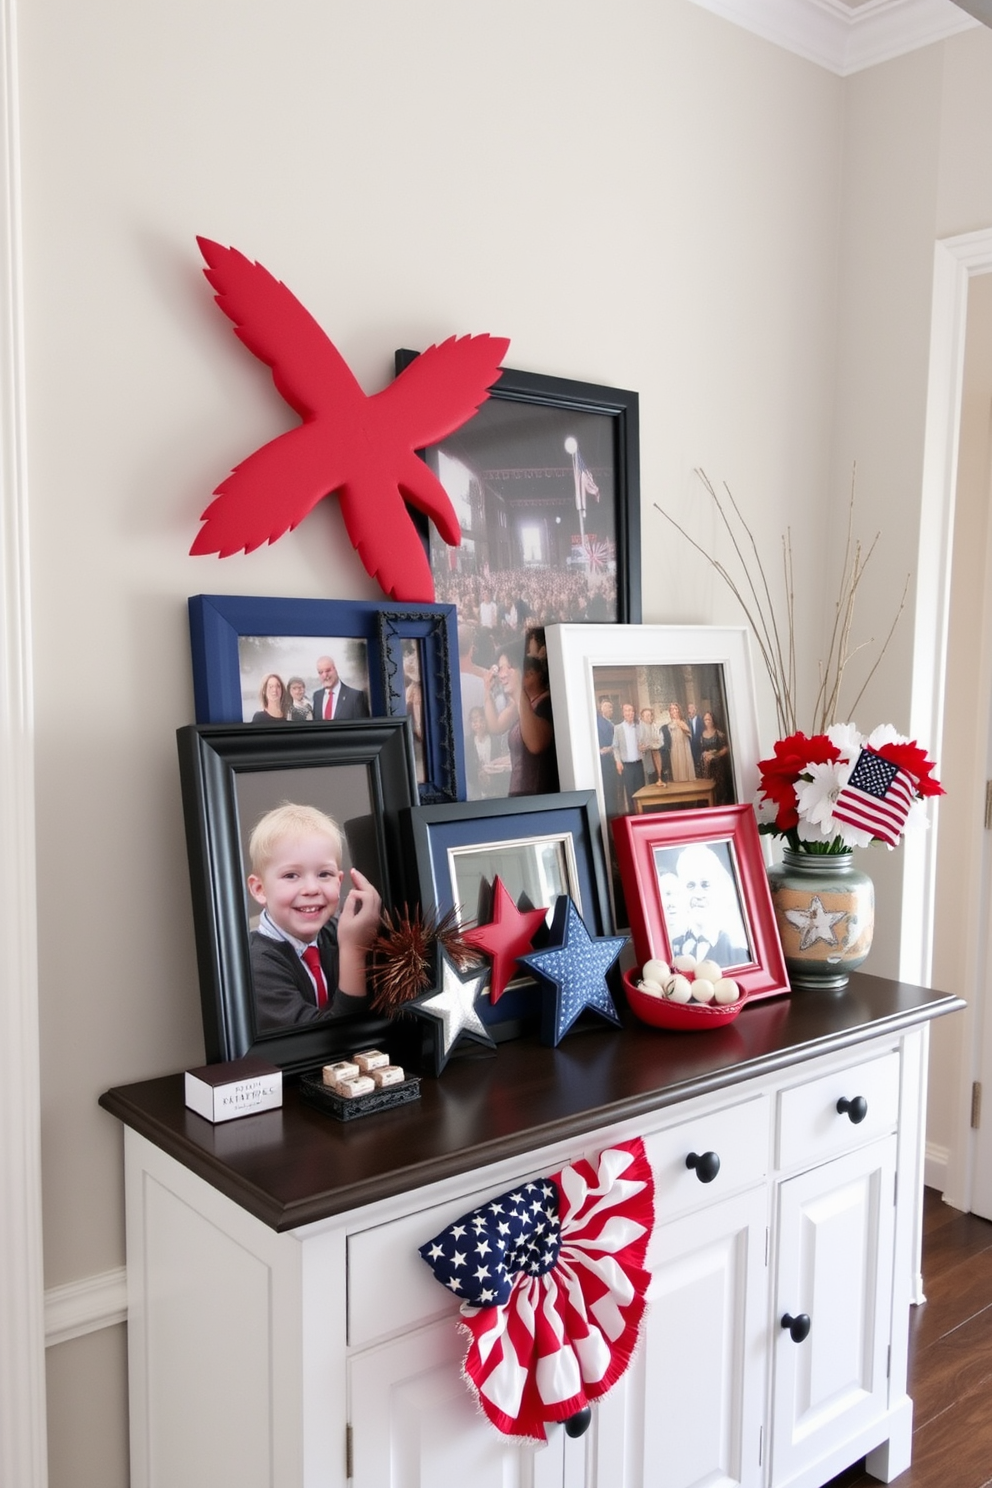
column 759, row 609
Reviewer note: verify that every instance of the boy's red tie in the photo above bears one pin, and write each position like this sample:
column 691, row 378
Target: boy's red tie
column 312, row 958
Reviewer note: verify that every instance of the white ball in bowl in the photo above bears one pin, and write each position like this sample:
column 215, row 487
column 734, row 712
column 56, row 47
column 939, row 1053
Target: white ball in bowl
column 726, row 990
column 684, row 963
column 702, row 990
column 678, row 989
column 651, row 988
column 656, row 971
column 710, row 970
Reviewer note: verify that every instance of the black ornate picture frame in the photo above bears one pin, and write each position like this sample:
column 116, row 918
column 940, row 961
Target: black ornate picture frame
column 360, row 773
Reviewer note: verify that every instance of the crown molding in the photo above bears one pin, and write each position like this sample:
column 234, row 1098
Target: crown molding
column 841, row 38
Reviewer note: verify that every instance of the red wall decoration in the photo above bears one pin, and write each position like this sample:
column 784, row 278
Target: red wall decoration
column 359, row 446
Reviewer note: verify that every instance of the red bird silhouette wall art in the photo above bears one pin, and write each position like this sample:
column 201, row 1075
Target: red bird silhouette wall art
column 359, row 446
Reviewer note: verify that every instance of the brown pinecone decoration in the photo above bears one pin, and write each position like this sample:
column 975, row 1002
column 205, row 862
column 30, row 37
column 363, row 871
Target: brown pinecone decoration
column 404, row 954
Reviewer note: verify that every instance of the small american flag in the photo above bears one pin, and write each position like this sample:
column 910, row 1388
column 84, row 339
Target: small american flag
column 589, row 486
column 584, row 483
column 877, row 797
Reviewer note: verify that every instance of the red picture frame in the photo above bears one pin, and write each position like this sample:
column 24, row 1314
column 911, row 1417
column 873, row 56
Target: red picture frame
column 661, row 884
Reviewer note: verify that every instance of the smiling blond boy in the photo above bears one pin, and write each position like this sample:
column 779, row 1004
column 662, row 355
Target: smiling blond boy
column 307, row 962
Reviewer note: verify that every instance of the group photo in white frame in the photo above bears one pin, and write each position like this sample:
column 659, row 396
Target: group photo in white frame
column 653, row 718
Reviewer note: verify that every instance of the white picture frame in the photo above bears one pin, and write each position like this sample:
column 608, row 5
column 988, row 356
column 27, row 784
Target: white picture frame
column 581, row 657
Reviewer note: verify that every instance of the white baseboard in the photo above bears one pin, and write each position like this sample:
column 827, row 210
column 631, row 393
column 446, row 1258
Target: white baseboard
column 83, row 1306
column 935, row 1164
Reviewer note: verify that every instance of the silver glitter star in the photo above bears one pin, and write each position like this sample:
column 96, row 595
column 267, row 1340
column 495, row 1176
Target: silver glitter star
column 453, row 1007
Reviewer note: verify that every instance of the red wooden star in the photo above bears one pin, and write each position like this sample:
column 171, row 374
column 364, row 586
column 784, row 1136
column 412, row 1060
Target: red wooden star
column 508, row 935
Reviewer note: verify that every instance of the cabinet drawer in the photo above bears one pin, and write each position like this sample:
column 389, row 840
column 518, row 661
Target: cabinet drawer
column 738, row 1135
column 810, row 1127
column 390, row 1289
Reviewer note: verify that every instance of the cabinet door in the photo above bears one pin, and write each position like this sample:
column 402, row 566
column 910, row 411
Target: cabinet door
column 690, row 1408
column 835, row 1238
column 415, row 1423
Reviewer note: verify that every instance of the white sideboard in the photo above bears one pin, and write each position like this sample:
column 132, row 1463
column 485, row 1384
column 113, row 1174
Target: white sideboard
column 306, row 1345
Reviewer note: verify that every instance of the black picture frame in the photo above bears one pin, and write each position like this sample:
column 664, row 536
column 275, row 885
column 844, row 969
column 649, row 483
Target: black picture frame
column 217, row 762
column 609, row 418
column 431, row 834
column 218, row 622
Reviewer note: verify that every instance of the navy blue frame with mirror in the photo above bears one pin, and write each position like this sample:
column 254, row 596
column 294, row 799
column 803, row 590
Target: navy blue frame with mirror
column 434, row 836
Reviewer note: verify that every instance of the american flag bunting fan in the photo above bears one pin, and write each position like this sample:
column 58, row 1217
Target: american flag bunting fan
column 552, row 1281
column 877, row 797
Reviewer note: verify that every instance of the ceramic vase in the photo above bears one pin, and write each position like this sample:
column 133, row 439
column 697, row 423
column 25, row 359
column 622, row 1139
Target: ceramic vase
column 825, row 909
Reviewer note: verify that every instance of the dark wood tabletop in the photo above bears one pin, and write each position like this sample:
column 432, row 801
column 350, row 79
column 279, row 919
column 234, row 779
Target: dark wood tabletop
column 295, row 1165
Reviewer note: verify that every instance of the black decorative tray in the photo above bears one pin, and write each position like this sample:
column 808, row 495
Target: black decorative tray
column 316, row 1093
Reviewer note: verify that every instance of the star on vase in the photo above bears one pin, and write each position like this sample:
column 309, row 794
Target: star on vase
column 816, row 923
column 574, row 967
column 509, row 934
column 451, row 1009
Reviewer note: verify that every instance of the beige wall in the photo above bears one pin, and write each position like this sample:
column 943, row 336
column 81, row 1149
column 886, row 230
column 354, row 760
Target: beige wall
column 916, row 169
column 639, row 195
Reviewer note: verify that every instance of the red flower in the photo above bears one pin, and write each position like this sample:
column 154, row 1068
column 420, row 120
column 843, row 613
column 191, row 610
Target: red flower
column 779, row 775
column 913, row 759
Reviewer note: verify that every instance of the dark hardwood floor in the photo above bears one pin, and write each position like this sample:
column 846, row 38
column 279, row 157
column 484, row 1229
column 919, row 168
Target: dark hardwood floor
column 950, row 1357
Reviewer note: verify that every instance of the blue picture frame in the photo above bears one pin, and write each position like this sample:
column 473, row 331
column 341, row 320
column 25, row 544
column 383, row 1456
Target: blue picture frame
column 429, row 834
column 218, row 621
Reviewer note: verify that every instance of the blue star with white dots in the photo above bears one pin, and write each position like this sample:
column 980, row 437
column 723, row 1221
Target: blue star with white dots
column 574, row 967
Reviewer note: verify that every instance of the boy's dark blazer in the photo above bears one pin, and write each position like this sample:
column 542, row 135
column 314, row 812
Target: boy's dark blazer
column 282, row 987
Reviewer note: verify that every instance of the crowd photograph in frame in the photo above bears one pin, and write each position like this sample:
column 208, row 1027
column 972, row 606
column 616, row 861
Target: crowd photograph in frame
column 654, row 718
column 695, row 884
column 545, row 482
column 539, row 846
column 266, row 660
column 360, row 773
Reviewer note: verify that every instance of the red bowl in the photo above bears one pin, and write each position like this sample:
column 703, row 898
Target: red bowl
column 691, row 1017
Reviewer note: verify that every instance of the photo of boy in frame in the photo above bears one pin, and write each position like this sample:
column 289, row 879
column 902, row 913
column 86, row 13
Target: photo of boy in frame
column 313, row 908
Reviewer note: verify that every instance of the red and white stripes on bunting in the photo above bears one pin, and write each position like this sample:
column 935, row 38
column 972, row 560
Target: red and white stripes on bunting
column 573, row 1309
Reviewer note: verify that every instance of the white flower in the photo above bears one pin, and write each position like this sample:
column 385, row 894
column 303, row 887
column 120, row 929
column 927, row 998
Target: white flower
column 816, row 798
column 765, row 810
column 845, row 737
column 808, row 833
column 885, row 734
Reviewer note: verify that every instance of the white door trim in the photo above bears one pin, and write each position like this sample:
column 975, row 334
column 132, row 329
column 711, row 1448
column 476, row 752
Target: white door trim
column 23, row 1454
column 956, row 261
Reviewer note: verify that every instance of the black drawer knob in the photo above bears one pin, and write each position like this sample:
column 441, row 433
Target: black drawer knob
column 706, row 1164
column 798, row 1326
column 578, row 1424
column 855, row 1109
